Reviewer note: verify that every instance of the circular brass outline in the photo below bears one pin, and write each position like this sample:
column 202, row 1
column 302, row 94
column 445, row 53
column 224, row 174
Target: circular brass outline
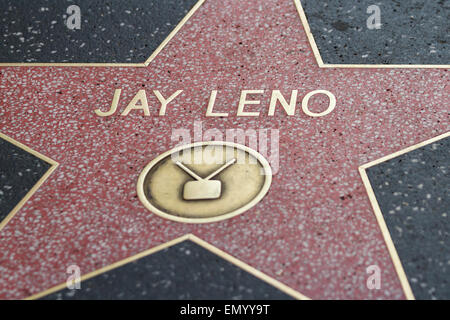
column 265, row 188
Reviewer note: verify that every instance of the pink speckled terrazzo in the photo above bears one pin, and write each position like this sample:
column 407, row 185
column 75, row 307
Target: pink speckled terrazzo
column 315, row 230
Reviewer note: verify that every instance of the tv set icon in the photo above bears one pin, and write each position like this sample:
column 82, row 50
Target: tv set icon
column 203, row 188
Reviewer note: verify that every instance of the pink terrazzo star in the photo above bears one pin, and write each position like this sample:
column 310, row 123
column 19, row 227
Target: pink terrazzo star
column 314, row 231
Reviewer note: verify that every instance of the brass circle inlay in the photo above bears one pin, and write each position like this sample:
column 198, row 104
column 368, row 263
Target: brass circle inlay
column 204, row 182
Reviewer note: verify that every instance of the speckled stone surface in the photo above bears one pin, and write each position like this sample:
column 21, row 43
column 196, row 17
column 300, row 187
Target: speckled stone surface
column 314, row 231
column 411, row 32
column 111, row 31
column 19, row 172
column 413, row 192
column 184, row 271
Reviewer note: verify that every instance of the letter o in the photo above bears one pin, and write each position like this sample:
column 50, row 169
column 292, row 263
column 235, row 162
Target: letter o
column 330, row 108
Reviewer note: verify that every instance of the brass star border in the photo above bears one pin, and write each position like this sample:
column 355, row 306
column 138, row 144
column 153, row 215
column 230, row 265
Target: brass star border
column 379, row 215
column 52, row 168
column 222, row 254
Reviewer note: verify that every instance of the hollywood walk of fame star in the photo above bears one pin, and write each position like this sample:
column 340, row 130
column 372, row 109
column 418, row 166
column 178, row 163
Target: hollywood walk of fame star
column 314, row 231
